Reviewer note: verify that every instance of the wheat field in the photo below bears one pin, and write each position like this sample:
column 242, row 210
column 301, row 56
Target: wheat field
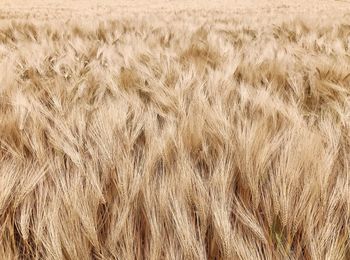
column 174, row 129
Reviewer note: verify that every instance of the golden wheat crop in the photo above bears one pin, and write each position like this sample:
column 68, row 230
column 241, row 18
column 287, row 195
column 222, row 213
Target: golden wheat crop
column 174, row 130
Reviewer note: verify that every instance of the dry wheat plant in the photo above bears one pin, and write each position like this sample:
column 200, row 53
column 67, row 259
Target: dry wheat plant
column 174, row 129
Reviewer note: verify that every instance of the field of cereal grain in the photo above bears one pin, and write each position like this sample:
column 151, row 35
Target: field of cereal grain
column 174, row 129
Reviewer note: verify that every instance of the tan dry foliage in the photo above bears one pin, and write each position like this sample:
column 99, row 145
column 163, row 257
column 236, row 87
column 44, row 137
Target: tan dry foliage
column 203, row 134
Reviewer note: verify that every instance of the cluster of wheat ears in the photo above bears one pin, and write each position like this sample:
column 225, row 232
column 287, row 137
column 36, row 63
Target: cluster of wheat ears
column 182, row 135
